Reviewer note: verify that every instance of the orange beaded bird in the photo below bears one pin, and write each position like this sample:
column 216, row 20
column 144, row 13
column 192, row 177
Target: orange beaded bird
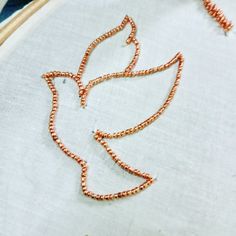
column 101, row 136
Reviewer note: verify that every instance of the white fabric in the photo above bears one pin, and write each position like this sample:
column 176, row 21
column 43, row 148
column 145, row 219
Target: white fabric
column 2, row 4
column 191, row 148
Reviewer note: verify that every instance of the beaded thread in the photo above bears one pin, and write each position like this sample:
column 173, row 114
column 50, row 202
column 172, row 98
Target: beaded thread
column 218, row 15
column 101, row 136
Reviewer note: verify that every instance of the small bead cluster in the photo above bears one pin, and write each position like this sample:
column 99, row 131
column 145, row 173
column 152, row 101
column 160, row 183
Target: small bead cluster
column 218, row 15
column 100, row 136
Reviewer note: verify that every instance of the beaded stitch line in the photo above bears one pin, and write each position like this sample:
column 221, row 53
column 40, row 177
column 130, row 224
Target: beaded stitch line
column 218, row 15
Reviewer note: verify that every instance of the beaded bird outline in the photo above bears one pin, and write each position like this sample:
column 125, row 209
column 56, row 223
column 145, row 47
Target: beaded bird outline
column 101, row 136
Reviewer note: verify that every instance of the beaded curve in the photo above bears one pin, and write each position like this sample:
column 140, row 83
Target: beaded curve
column 100, row 136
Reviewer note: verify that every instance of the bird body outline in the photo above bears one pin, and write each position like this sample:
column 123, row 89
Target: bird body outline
column 99, row 135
